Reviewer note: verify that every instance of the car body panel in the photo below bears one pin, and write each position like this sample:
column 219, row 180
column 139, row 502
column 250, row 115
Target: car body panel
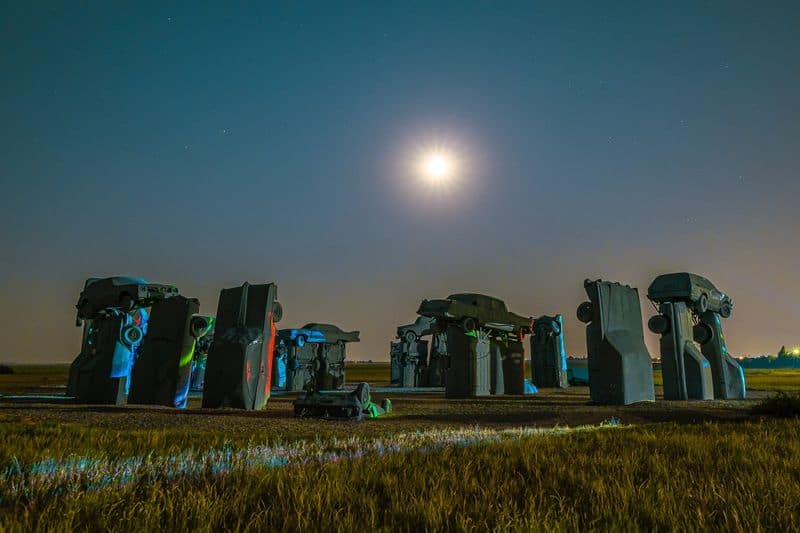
column 311, row 335
column 422, row 326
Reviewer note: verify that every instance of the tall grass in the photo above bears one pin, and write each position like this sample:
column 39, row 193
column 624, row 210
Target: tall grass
column 782, row 404
column 736, row 476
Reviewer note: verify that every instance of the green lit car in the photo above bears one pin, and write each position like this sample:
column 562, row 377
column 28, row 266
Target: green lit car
column 472, row 310
column 698, row 292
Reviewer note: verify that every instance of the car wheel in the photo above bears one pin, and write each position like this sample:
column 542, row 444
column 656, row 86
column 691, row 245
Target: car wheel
column 468, row 324
column 702, row 303
column 300, row 341
column 702, row 333
column 131, row 335
column 658, row 324
column 410, row 337
column 198, row 327
column 277, row 312
column 725, row 310
column 585, row 312
column 126, row 302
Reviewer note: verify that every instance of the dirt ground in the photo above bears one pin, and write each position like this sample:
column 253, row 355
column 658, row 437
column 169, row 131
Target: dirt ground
column 412, row 411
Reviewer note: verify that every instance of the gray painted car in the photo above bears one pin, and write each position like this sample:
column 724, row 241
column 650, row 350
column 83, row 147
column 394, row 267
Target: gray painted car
column 472, row 310
column 422, row 326
column 119, row 292
column 696, row 291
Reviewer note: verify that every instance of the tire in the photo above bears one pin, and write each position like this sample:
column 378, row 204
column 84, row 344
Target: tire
column 277, row 312
column 585, row 312
column 469, row 324
column 131, row 335
column 198, row 327
column 702, row 333
column 410, row 337
column 300, row 341
column 658, row 324
column 702, row 303
column 725, row 310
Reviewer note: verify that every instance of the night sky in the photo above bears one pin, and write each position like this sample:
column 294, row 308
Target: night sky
column 208, row 146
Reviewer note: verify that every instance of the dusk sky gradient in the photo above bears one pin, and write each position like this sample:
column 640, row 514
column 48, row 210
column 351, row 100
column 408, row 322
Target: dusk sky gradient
column 219, row 143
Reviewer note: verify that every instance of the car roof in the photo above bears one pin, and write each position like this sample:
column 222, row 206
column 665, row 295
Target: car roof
column 695, row 279
column 118, row 280
column 322, row 327
column 469, row 297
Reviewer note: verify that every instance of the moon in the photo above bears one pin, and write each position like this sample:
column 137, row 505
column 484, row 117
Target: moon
column 437, row 167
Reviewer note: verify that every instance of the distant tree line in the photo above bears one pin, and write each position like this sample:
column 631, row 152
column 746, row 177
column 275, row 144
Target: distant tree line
column 784, row 359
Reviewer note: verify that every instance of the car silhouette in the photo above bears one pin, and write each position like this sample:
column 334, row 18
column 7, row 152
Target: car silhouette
column 317, row 333
column 472, row 310
column 301, row 336
column 698, row 292
column 333, row 334
column 119, row 292
column 422, row 326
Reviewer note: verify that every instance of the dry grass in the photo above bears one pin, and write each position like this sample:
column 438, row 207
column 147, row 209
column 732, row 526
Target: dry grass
column 683, row 465
column 718, row 476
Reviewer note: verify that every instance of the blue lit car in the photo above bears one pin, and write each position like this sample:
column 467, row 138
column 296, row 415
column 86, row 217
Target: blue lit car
column 301, row 336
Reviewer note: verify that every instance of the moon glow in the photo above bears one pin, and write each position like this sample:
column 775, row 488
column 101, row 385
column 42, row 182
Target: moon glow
column 437, row 167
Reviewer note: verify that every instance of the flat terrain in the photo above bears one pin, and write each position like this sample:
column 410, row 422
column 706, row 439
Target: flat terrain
column 434, row 463
column 412, row 411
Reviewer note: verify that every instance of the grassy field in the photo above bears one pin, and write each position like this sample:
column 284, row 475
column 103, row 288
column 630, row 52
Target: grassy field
column 31, row 379
column 721, row 476
column 496, row 463
column 37, row 378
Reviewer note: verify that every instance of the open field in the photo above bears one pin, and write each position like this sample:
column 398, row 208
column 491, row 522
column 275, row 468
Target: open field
column 434, row 463
column 716, row 475
column 37, row 378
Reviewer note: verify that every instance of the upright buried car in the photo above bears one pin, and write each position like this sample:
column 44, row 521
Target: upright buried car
column 239, row 365
column 99, row 374
column 473, row 323
column 163, row 371
column 298, row 349
column 119, row 292
column 473, row 310
column 697, row 292
column 332, row 354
